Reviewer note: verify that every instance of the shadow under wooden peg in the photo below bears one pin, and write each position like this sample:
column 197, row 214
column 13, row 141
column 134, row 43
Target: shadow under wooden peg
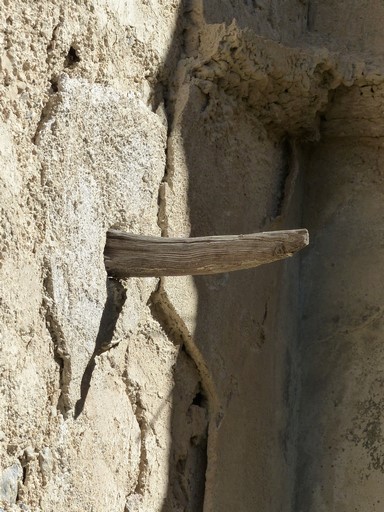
column 116, row 297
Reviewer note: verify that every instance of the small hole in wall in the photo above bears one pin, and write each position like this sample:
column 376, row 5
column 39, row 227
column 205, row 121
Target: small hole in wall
column 72, row 58
column 54, row 86
column 199, row 400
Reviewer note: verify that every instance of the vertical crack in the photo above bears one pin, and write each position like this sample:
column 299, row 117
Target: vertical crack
column 134, row 396
column 194, row 424
column 162, row 218
column 45, row 113
column 165, row 314
column 166, row 181
column 61, row 354
column 171, row 76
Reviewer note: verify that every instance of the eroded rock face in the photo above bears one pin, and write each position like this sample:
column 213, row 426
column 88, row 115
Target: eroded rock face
column 243, row 391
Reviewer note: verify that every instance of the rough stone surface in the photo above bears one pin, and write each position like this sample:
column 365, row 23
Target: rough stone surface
column 10, row 482
column 258, row 390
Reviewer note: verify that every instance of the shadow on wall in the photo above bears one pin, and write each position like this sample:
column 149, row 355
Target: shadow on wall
column 116, row 297
column 236, row 173
column 189, row 424
column 237, row 329
column 340, row 455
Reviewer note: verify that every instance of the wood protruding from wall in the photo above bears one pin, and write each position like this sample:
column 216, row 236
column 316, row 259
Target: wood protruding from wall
column 128, row 255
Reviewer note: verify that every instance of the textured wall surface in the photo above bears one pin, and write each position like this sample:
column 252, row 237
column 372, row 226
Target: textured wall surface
column 251, row 391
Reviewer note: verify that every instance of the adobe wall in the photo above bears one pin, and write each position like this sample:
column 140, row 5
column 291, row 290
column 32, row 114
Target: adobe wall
column 257, row 390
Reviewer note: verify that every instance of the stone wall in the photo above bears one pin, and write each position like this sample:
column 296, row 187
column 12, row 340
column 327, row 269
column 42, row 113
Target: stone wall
column 257, row 390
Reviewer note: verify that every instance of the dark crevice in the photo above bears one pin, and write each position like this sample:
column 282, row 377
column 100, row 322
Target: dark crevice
column 61, row 355
column 72, row 58
column 158, row 97
column 205, row 104
column 24, row 477
column 200, row 400
column 54, row 86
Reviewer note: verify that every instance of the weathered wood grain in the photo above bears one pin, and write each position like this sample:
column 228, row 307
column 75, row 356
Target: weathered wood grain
column 128, row 255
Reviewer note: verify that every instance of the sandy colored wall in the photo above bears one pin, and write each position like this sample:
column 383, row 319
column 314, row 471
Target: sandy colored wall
column 81, row 150
column 247, row 391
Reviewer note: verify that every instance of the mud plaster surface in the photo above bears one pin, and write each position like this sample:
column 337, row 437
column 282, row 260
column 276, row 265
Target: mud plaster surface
column 231, row 392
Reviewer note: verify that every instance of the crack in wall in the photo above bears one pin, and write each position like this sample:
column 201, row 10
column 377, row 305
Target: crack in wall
column 164, row 312
column 166, row 181
column 204, row 412
column 61, row 354
column 50, row 103
column 69, row 62
column 44, row 116
column 162, row 218
column 134, row 396
column 171, row 78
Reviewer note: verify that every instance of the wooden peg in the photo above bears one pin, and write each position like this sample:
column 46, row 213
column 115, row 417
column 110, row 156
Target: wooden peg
column 128, row 255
